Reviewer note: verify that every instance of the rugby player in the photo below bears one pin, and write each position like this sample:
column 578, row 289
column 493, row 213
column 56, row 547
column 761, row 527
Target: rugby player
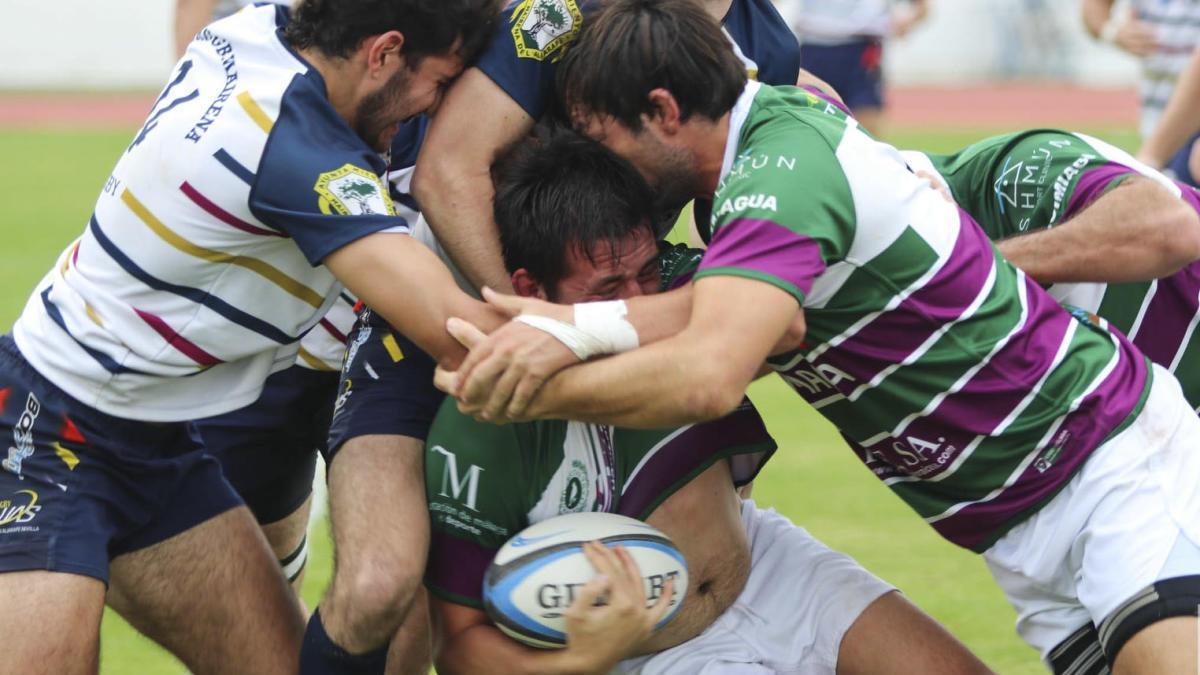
column 1162, row 34
column 576, row 225
column 1017, row 430
column 1113, row 236
column 842, row 42
column 384, row 409
column 222, row 236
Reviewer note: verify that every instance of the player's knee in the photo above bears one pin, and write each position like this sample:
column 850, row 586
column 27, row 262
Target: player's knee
column 378, row 597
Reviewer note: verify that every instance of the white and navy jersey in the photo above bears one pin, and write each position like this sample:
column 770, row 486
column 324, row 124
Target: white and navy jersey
column 200, row 270
column 833, row 22
column 324, row 347
column 226, row 7
column 1176, row 25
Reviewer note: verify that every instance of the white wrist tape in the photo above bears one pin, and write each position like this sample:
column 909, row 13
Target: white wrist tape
column 606, row 322
column 600, row 328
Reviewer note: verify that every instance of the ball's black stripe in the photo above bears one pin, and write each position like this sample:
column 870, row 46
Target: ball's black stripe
column 501, row 619
column 496, row 573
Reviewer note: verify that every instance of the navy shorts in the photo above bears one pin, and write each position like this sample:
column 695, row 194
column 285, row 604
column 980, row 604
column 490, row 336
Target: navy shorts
column 386, row 386
column 1178, row 166
column 79, row 487
column 268, row 450
column 854, row 70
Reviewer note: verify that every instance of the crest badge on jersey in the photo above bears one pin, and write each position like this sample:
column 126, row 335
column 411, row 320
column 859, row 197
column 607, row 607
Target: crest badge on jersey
column 541, row 27
column 352, row 191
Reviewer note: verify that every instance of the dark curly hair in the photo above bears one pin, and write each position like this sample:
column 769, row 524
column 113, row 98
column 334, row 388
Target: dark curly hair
column 431, row 27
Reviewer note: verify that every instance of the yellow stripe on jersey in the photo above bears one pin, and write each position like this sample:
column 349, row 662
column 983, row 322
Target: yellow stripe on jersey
column 315, row 363
column 265, row 270
column 69, row 458
column 93, row 315
column 255, row 111
column 393, row 349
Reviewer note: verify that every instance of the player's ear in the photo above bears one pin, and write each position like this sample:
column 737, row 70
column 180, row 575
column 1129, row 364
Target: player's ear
column 526, row 286
column 384, row 53
column 664, row 111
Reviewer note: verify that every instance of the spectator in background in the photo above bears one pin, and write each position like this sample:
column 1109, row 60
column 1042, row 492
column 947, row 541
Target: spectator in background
column 1174, row 138
column 191, row 16
column 1162, row 33
column 841, row 42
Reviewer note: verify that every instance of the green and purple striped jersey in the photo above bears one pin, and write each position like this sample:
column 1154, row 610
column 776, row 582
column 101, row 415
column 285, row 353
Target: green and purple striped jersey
column 969, row 390
column 1035, row 180
column 484, row 483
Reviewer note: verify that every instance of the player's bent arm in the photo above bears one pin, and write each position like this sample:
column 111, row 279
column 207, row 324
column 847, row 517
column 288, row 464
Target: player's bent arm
column 1179, row 121
column 697, row 375
column 474, row 124
column 1136, row 231
column 411, row 288
column 472, row 644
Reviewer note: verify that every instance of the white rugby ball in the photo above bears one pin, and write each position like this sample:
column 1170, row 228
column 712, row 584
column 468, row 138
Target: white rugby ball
column 535, row 575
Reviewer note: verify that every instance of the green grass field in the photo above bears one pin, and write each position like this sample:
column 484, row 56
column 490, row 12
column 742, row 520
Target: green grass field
column 52, row 179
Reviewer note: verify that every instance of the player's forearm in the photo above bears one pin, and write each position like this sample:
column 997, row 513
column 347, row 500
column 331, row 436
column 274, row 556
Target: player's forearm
column 658, row 317
column 1095, row 14
column 669, row 383
column 484, row 649
column 455, row 193
column 1179, row 121
column 1135, row 232
column 409, row 286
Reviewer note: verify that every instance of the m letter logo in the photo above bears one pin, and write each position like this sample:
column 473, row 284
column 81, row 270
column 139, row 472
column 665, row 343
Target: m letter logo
column 454, row 483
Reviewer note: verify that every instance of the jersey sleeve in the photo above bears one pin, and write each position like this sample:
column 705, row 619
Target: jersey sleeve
column 320, row 184
column 522, row 57
column 669, row 459
column 783, row 213
column 472, row 485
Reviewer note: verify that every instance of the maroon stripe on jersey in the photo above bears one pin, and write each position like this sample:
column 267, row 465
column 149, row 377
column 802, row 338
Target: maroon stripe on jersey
column 185, row 347
column 457, row 566
column 223, row 215
column 896, row 334
column 332, row 330
column 1092, row 184
column 693, row 450
column 1176, row 301
column 766, row 247
column 1114, row 403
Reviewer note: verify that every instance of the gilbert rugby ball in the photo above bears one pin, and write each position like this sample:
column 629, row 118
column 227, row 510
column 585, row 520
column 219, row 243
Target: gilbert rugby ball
column 534, row 576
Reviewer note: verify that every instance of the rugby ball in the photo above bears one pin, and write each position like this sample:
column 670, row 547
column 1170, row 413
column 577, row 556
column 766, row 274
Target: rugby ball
column 534, row 576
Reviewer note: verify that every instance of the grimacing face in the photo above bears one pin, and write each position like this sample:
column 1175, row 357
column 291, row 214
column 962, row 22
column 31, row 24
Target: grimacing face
column 626, row 270
column 406, row 94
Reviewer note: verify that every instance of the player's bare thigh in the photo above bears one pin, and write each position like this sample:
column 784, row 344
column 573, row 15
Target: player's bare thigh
column 51, row 622
column 1167, row 646
column 214, row 596
column 892, row 635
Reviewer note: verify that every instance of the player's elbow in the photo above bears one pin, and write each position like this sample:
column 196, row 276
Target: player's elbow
column 434, row 176
column 1180, row 242
column 715, row 393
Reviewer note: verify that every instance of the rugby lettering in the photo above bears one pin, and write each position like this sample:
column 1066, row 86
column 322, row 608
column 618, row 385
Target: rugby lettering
column 743, row 202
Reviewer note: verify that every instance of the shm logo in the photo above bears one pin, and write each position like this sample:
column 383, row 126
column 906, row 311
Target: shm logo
column 19, row 513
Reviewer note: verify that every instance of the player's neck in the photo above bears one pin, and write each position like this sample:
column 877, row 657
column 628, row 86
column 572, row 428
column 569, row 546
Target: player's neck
column 717, row 9
column 342, row 77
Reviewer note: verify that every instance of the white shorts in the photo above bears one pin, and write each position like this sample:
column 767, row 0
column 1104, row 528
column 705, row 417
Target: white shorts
column 1129, row 518
column 799, row 600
